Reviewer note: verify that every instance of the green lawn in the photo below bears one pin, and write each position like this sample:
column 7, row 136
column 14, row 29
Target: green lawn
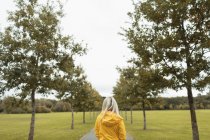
column 162, row 125
column 168, row 125
column 51, row 126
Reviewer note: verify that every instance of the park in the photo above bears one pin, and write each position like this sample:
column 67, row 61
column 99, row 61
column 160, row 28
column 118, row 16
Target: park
column 67, row 67
column 162, row 125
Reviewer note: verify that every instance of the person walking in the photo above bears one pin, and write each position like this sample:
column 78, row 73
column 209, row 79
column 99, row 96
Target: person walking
column 109, row 124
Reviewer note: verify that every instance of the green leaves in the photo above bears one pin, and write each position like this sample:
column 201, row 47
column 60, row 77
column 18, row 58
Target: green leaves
column 138, row 84
column 34, row 53
column 173, row 36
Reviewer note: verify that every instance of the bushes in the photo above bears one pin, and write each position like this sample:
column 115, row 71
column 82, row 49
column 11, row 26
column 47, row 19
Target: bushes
column 15, row 105
column 10, row 104
column 62, row 107
column 17, row 110
column 42, row 109
column 1, row 108
column 44, row 102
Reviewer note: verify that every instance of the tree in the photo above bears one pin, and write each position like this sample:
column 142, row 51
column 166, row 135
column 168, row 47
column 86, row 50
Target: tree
column 70, row 91
column 85, row 96
column 35, row 56
column 124, row 91
column 173, row 36
column 94, row 101
column 10, row 104
column 149, row 85
column 208, row 96
column 141, row 85
column 1, row 106
column 61, row 106
column 15, row 105
column 120, row 96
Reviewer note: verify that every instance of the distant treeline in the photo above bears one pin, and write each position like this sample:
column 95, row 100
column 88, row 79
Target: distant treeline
column 171, row 103
column 13, row 105
column 16, row 105
column 201, row 102
column 179, row 103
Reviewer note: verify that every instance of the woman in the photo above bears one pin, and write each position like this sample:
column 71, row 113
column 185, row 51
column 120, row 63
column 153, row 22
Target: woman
column 109, row 124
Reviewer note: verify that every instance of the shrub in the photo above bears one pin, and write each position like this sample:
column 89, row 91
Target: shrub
column 62, row 107
column 42, row 109
column 1, row 107
column 17, row 110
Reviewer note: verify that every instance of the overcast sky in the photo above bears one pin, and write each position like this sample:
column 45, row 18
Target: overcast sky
column 96, row 23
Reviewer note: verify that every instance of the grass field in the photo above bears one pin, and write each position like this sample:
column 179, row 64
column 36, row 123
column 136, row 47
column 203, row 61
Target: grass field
column 169, row 125
column 51, row 126
column 162, row 125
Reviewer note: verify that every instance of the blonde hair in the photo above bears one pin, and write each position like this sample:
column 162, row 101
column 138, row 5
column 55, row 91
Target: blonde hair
column 110, row 104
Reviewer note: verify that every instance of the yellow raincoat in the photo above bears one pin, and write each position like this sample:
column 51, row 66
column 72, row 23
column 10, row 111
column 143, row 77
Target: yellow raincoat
column 110, row 126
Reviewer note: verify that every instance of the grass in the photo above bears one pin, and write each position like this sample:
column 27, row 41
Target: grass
column 168, row 125
column 51, row 126
column 161, row 125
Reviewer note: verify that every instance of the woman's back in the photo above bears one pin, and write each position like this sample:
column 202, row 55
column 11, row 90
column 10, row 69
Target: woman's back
column 110, row 126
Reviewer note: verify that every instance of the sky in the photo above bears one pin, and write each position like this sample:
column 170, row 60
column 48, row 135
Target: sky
column 97, row 24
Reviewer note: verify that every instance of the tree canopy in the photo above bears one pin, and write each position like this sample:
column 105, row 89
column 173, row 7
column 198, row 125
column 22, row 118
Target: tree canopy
column 36, row 58
column 173, row 37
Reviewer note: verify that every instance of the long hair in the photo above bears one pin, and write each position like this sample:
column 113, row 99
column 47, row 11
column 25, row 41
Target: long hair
column 110, row 104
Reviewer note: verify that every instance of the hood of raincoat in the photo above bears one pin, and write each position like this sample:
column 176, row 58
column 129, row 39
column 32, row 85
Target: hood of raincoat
column 110, row 119
column 110, row 126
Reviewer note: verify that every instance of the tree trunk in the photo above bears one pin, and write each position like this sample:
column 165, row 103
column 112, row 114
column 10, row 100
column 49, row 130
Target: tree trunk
column 90, row 115
column 191, row 101
column 32, row 125
column 72, row 118
column 83, row 117
column 131, row 115
column 193, row 114
column 144, row 115
column 93, row 115
column 195, row 132
column 126, row 117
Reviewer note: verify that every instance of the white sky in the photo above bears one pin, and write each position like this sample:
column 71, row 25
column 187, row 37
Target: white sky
column 96, row 23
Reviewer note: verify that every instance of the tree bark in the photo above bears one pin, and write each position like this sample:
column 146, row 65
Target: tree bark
column 195, row 132
column 193, row 114
column 32, row 125
column 83, row 117
column 72, row 118
column 131, row 115
column 93, row 115
column 90, row 115
column 126, row 117
column 144, row 115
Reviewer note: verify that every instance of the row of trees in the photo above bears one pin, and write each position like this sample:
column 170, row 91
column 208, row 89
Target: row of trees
column 168, row 103
column 171, row 40
column 36, row 58
column 14, row 105
column 138, row 85
column 201, row 102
